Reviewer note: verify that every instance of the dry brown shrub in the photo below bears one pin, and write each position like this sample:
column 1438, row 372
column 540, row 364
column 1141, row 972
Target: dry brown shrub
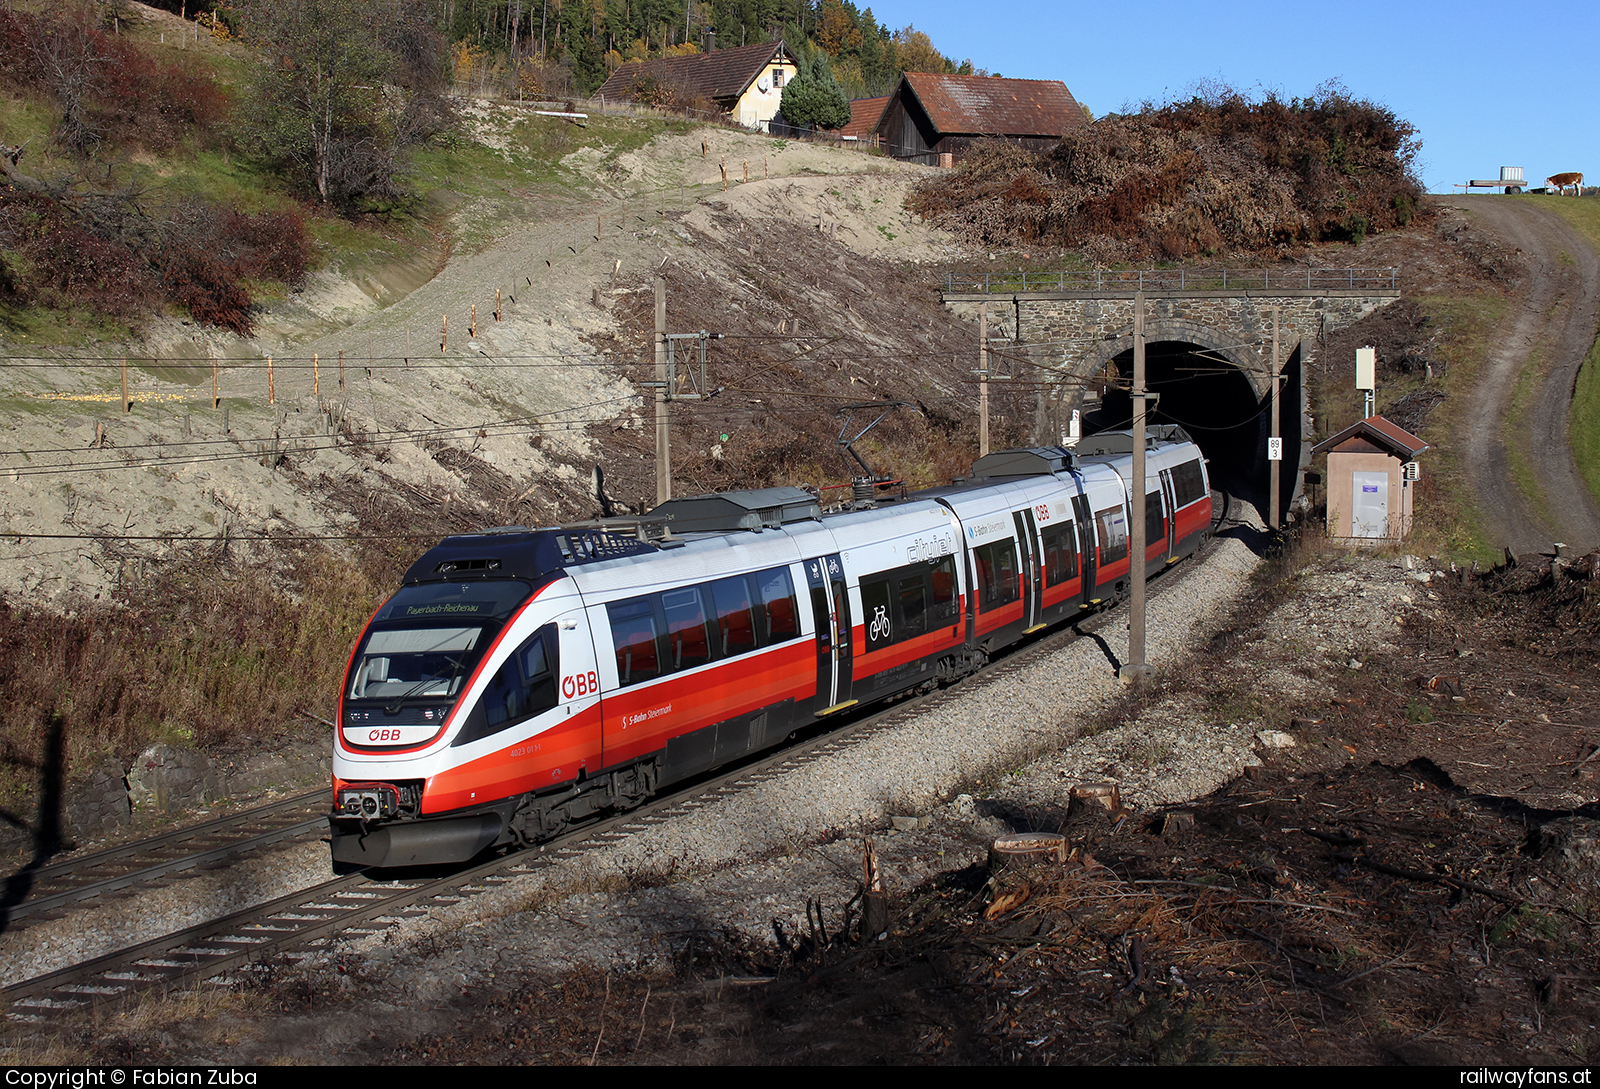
column 1217, row 173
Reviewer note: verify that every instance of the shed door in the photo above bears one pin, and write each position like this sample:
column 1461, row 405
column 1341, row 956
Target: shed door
column 1369, row 516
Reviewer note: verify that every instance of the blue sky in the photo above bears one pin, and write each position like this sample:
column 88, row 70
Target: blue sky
column 1486, row 85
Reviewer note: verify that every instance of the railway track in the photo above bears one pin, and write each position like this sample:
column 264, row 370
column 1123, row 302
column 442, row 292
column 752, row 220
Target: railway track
column 61, row 885
column 357, row 904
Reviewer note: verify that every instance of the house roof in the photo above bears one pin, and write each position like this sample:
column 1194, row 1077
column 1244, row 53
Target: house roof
column 1381, row 433
column 991, row 106
column 864, row 116
column 719, row 74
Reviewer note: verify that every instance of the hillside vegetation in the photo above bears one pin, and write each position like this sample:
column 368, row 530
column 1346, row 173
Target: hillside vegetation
column 202, row 163
column 1215, row 174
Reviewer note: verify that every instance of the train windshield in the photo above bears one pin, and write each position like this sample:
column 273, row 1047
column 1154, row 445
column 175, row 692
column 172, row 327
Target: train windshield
column 427, row 640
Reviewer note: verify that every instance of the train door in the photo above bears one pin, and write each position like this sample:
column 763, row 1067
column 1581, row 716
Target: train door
column 1169, row 496
column 1085, row 526
column 1032, row 583
column 579, row 691
column 830, row 604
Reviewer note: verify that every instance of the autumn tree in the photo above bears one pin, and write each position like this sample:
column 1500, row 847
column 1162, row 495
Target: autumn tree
column 344, row 87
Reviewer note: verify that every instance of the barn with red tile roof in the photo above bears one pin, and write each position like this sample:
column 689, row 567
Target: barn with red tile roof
column 864, row 115
column 929, row 115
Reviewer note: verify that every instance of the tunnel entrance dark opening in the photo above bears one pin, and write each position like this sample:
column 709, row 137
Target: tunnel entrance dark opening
column 1212, row 399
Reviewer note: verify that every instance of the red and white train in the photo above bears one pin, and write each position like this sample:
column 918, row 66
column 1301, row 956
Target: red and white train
column 522, row 679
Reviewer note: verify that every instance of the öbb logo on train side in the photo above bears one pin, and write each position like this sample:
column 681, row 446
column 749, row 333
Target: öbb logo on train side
column 580, row 684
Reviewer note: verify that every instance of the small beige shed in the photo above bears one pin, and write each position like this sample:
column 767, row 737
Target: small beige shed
column 1372, row 475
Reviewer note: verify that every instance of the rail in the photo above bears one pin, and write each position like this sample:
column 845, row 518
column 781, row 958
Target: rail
column 1176, row 279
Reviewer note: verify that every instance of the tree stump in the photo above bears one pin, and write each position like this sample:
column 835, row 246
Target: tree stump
column 1024, row 849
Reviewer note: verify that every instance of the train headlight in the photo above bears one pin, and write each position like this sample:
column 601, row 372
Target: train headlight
column 368, row 802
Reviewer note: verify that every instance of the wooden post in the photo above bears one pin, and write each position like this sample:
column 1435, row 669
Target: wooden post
column 1136, row 667
column 126, row 407
column 663, row 443
column 444, row 331
column 723, row 164
column 472, row 330
column 341, row 370
column 216, row 394
column 983, row 379
column 272, row 393
column 316, row 376
column 408, row 352
column 747, row 171
column 765, row 173
column 497, row 304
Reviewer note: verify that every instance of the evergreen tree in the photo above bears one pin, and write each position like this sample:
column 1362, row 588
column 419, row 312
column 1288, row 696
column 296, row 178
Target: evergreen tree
column 813, row 100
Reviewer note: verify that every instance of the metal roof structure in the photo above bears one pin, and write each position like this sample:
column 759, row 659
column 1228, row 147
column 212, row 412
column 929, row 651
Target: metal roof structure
column 1026, row 461
column 727, row 512
column 993, row 106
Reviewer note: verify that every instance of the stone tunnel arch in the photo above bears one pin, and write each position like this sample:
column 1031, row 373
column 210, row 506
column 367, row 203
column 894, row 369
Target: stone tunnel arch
column 1218, row 389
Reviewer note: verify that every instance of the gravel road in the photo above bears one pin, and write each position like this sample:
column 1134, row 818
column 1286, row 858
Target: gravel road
column 1553, row 327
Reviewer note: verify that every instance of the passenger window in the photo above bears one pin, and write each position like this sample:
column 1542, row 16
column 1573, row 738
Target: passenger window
column 777, row 599
column 945, row 605
column 735, row 622
column 687, row 643
column 1060, row 555
column 1112, row 525
column 1188, row 483
column 913, row 605
column 997, row 566
column 1155, row 525
column 633, row 634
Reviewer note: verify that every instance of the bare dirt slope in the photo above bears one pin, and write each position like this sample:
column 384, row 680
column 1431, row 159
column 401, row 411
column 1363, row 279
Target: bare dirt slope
column 496, row 428
column 1545, row 343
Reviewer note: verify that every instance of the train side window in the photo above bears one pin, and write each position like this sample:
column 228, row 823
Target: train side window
column 1188, row 483
column 1112, row 527
column 687, row 643
column 913, row 605
column 735, row 621
column 634, row 632
column 1155, row 523
column 1060, row 555
column 875, row 614
column 523, row 686
column 777, row 601
column 997, row 575
column 945, row 603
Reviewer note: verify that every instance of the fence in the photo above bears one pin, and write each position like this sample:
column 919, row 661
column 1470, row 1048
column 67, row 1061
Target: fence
column 1179, row 279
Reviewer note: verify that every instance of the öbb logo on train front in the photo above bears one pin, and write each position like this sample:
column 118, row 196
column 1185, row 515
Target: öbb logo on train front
column 574, row 685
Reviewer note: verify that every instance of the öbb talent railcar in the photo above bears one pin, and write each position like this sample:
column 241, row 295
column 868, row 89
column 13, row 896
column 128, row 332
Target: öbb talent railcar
column 522, row 679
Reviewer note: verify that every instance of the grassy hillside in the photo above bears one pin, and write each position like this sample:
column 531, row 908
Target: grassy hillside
column 1584, row 215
